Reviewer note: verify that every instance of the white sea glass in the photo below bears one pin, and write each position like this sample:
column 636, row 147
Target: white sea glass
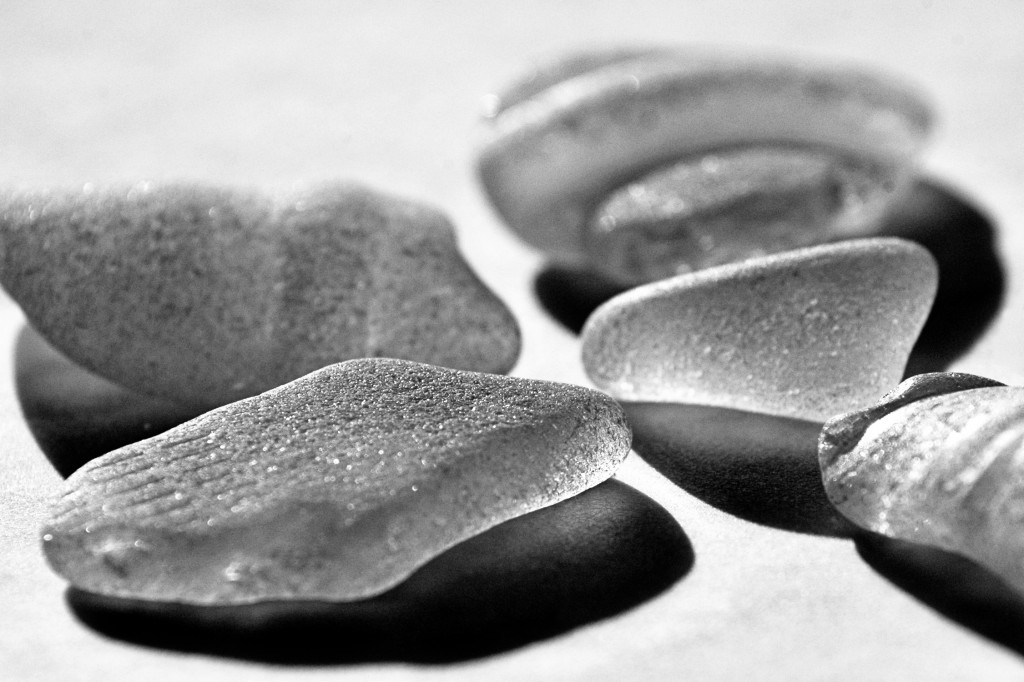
column 335, row 486
column 733, row 205
column 206, row 295
column 561, row 143
column 939, row 461
column 805, row 334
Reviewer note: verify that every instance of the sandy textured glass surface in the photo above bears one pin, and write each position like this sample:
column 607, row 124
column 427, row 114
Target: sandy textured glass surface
column 941, row 465
column 335, row 486
column 806, row 334
column 576, row 131
column 730, row 206
column 207, row 295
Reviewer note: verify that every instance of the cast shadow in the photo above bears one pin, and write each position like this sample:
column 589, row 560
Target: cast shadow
column 75, row 415
column 971, row 277
column 760, row 468
column 962, row 239
column 570, row 294
column 952, row 585
column 528, row 579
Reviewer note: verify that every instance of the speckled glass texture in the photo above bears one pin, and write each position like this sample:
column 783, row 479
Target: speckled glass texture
column 945, row 470
column 206, row 295
column 565, row 138
column 806, row 334
column 335, row 486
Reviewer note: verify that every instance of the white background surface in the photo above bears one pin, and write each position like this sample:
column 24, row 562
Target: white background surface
column 388, row 93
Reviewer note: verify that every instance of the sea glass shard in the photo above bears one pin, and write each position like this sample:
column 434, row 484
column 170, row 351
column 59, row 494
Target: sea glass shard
column 335, row 486
column 535, row 576
column 804, row 334
column 556, row 153
column 845, row 430
column 733, row 205
column 206, row 295
column 943, row 467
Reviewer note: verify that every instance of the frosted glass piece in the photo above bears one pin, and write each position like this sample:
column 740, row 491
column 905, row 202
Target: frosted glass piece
column 942, row 466
column 207, row 295
column 335, row 486
column 730, row 206
column 584, row 127
column 805, row 334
